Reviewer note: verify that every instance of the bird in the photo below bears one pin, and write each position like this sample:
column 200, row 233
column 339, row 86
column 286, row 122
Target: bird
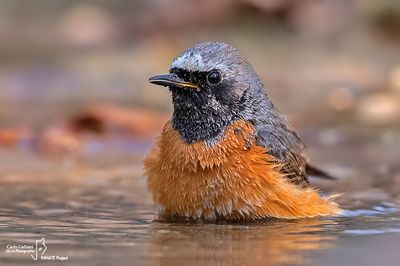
column 227, row 153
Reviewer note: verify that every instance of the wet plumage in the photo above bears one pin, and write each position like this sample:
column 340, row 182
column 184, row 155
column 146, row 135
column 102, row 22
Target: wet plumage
column 227, row 153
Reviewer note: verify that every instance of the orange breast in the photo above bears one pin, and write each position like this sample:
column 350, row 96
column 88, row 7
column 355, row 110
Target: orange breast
column 233, row 179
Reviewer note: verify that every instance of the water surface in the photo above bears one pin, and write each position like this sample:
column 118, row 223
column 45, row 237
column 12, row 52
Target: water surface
column 98, row 212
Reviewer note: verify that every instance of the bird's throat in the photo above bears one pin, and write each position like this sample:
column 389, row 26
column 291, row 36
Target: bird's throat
column 200, row 121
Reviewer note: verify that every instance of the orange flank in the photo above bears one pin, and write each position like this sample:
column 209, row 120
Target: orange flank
column 232, row 180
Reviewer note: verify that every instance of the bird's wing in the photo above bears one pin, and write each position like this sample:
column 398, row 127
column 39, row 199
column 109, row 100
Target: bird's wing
column 286, row 146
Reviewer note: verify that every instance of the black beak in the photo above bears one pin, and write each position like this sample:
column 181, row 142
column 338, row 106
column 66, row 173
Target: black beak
column 172, row 80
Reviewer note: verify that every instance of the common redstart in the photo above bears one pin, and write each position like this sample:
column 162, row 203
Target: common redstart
column 227, row 153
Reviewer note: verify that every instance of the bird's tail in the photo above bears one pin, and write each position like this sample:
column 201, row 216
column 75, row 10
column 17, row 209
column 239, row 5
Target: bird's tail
column 313, row 171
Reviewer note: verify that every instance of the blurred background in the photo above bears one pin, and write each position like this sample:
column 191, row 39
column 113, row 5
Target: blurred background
column 73, row 74
column 75, row 67
column 77, row 116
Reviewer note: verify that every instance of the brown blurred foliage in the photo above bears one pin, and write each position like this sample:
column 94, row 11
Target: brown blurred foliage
column 324, row 62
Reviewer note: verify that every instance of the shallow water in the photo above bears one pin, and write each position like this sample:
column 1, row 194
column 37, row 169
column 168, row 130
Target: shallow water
column 92, row 206
column 97, row 212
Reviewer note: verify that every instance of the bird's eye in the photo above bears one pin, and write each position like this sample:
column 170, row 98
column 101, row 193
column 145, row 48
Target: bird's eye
column 214, row 77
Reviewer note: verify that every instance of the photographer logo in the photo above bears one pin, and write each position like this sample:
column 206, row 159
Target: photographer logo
column 37, row 251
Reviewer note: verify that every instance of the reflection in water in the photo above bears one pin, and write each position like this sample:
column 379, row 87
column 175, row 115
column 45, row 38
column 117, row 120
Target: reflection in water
column 99, row 213
column 272, row 243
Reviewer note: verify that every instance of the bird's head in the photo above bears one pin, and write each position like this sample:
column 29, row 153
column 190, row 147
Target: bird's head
column 212, row 84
